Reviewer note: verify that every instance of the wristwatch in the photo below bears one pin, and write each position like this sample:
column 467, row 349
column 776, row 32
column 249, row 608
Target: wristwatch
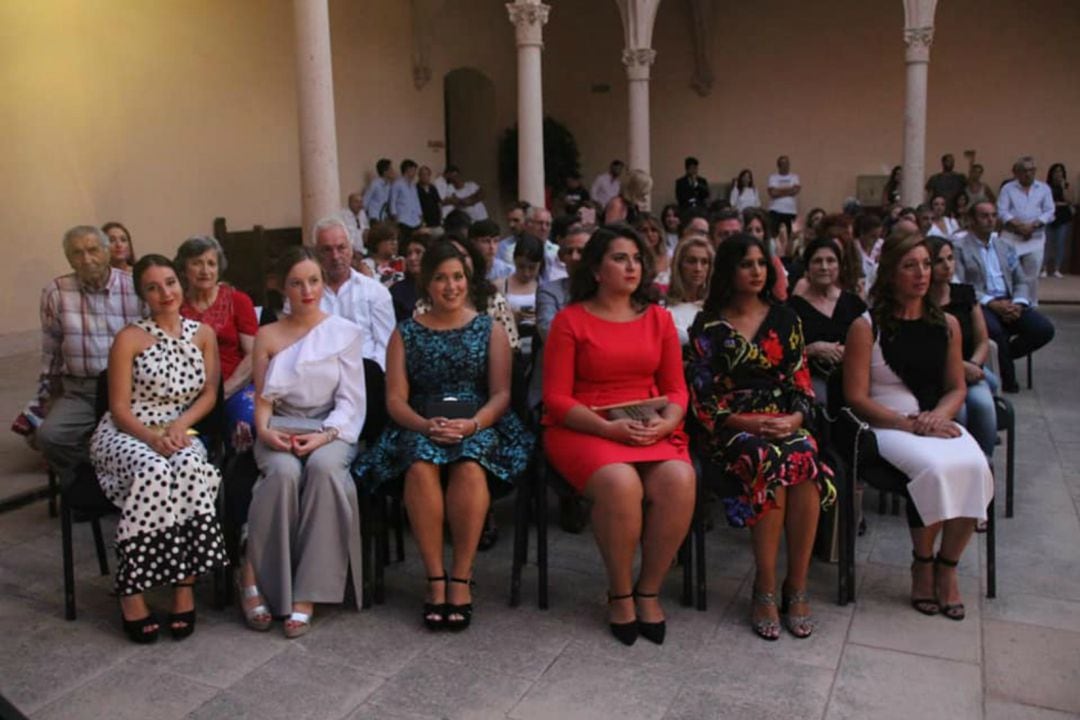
column 331, row 432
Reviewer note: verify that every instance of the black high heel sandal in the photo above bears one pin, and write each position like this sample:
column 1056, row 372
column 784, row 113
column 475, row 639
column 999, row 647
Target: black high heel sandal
column 953, row 611
column 136, row 629
column 626, row 632
column 435, row 613
column 651, row 631
column 927, row 606
column 465, row 610
column 186, row 618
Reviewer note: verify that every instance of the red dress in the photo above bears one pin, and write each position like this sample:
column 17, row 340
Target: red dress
column 591, row 361
column 231, row 316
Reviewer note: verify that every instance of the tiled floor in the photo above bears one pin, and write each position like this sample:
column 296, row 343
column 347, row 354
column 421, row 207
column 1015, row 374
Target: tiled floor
column 1014, row 657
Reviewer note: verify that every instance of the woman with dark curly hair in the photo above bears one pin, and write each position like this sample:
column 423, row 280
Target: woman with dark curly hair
column 904, row 375
column 614, row 400
column 751, row 395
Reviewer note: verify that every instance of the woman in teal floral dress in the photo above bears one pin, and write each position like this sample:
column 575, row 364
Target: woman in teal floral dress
column 751, row 394
column 447, row 393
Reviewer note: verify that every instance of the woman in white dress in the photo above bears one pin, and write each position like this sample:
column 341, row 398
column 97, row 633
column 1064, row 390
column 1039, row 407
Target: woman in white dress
column 941, row 224
column 904, row 375
column 743, row 193
column 303, row 528
column 691, row 269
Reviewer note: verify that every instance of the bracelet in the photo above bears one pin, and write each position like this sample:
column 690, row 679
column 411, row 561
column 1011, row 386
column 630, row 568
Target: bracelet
column 331, row 433
column 477, row 426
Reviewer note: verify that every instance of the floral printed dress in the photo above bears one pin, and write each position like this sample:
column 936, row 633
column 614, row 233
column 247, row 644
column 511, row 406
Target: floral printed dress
column 766, row 375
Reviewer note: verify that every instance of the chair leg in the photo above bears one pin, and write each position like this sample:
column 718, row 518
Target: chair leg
column 69, row 562
column 896, row 503
column 1010, row 461
column 522, row 499
column 382, row 554
column 991, row 552
column 699, row 550
column 540, row 505
column 366, row 555
column 881, row 502
column 396, row 507
column 99, row 544
column 54, row 491
column 1030, row 379
column 686, row 557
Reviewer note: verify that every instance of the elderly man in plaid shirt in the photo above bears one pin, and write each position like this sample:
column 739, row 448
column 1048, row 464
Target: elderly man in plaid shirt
column 81, row 312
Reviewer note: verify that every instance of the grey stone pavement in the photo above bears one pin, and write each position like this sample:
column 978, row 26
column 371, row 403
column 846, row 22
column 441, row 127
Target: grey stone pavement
column 1014, row 657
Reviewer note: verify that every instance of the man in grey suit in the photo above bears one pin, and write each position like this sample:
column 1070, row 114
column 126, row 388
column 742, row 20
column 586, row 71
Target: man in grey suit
column 1001, row 286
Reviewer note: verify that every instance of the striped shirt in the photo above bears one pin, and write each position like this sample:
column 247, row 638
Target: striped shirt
column 78, row 324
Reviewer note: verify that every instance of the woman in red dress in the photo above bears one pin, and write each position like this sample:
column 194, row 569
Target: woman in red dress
column 610, row 346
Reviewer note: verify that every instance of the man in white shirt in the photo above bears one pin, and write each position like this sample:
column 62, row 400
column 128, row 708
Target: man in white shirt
column 515, row 223
column 1025, row 206
column 606, row 185
column 537, row 223
column 783, row 187
column 462, row 194
column 356, row 221
column 350, row 294
column 405, row 201
column 377, row 195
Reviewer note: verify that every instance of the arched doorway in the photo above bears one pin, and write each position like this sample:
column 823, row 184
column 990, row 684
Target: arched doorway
column 471, row 136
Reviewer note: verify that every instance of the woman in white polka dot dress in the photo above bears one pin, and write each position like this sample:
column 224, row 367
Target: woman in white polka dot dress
column 163, row 378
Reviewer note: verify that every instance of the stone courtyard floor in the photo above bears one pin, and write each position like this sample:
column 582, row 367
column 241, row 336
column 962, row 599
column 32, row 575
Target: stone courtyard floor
column 1015, row 657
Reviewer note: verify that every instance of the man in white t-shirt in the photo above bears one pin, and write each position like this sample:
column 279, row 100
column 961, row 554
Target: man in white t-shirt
column 606, row 185
column 783, row 187
column 462, row 194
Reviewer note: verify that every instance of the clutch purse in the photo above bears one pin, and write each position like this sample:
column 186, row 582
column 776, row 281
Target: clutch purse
column 295, row 425
column 450, row 408
column 640, row 410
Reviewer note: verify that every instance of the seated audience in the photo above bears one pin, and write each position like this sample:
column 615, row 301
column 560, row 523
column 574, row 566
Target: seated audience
column 669, row 219
column 978, row 414
column 904, row 375
column 383, row 260
column 303, row 524
column 351, row 294
column 826, row 311
column 81, row 312
column 121, row 251
column 689, row 283
column 963, row 211
column 1002, row 289
column 484, row 235
column 753, row 400
column 405, row 293
column 519, row 288
column 754, row 221
column 448, row 390
column 803, row 236
column 163, row 378
column 632, row 199
column 231, row 315
column 941, row 224
column 610, row 346
column 653, row 234
column 694, row 222
column 515, row 224
column 869, row 237
column 978, row 191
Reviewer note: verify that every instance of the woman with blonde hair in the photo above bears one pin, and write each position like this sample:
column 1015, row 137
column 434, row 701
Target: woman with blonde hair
column 632, row 198
column 691, row 269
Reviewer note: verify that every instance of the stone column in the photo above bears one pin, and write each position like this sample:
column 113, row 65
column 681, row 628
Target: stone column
column 638, row 62
column 918, row 36
column 320, row 191
column 528, row 18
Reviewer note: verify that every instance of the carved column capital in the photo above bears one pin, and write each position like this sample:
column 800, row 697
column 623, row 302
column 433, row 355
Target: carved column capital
column 528, row 19
column 638, row 62
column 918, row 41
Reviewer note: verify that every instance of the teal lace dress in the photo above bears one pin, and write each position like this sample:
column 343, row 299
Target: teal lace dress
column 442, row 363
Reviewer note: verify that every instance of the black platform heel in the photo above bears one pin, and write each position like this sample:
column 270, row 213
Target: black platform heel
column 651, row 631
column 465, row 610
column 186, row 618
column 435, row 613
column 626, row 632
column 136, row 629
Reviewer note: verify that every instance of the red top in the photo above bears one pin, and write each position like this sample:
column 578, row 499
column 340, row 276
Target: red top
column 592, row 361
column 231, row 315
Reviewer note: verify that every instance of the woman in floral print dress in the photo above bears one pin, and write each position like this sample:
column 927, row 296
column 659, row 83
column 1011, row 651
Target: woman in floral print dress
column 752, row 397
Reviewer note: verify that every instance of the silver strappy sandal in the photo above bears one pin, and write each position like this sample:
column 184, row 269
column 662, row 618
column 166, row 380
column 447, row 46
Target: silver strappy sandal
column 766, row 628
column 801, row 626
column 258, row 617
column 303, row 624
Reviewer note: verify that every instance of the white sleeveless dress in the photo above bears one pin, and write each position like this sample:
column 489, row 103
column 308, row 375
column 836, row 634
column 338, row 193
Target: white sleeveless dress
column 950, row 477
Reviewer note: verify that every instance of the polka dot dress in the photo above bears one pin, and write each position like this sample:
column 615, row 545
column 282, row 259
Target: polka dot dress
column 168, row 529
